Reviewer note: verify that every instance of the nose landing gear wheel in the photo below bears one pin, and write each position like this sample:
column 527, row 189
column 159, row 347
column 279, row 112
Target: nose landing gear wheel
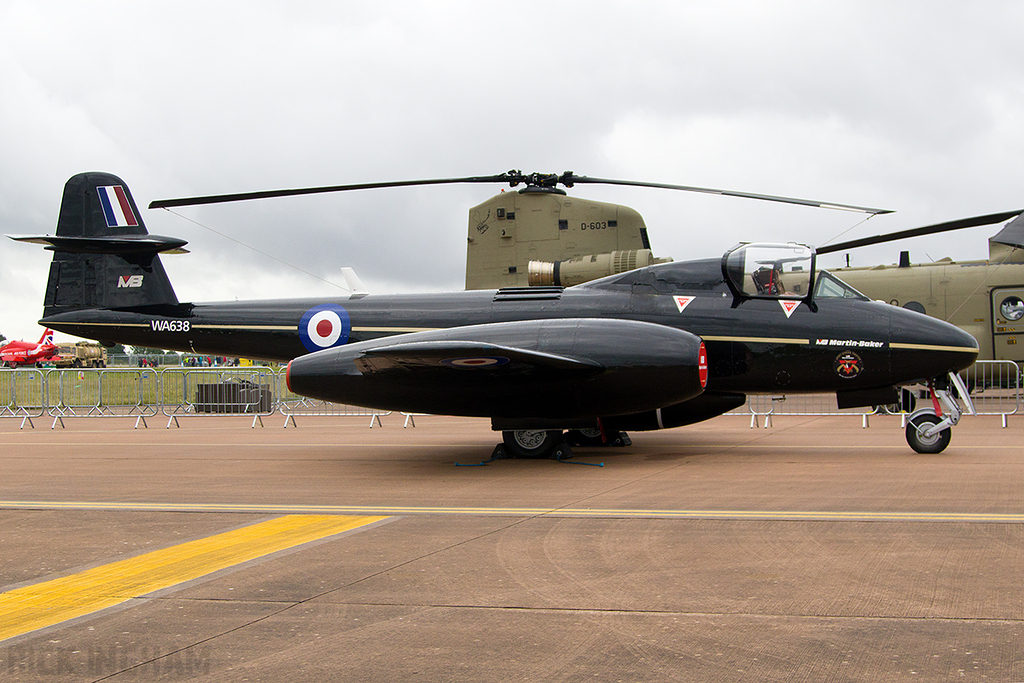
column 927, row 444
column 531, row 443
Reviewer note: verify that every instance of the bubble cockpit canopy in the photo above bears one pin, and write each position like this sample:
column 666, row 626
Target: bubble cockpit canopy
column 770, row 271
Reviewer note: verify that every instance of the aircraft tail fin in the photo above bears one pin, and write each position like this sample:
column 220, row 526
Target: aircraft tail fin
column 103, row 255
column 47, row 337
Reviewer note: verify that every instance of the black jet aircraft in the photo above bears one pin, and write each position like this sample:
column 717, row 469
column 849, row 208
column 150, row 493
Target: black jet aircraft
column 659, row 347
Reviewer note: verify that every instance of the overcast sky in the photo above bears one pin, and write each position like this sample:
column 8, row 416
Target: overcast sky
column 912, row 106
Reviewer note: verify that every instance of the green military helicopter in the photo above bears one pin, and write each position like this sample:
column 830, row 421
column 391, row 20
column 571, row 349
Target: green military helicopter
column 984, row 297
column 540, row 236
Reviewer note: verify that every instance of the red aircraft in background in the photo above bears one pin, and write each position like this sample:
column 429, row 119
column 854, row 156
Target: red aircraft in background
column 18, row 353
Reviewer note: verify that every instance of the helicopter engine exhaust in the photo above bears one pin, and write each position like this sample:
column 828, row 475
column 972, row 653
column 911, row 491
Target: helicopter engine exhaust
column 585, row 268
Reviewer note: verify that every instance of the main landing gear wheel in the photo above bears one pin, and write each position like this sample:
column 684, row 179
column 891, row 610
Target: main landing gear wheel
column 531, row 443
column 936, row 443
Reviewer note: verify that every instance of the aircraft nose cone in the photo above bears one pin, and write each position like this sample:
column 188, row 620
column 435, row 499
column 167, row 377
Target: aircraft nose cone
column 923, row 347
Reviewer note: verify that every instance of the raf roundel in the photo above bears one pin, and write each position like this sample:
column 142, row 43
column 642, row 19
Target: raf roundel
column 324, row 326
column 475, row 362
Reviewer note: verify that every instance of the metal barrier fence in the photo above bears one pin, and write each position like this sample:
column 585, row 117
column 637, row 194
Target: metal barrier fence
column 261, row 391
column 22, row 394
column 101, row 392
column 173, row 391
column 236, row 390
column 768, row 406
column 995, row 387
column 292, row 405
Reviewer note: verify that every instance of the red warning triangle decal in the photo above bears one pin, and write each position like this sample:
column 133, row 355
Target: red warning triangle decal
column 788, row 306
column 683, row 301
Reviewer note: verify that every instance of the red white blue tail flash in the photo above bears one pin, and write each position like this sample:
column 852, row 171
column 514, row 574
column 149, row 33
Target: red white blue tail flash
column 116, row 207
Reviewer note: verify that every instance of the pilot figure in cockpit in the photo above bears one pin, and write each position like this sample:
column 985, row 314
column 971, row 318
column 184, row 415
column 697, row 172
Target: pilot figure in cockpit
column 768, row 281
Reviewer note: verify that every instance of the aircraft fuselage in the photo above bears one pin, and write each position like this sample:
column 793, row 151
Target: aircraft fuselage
column 755, row 346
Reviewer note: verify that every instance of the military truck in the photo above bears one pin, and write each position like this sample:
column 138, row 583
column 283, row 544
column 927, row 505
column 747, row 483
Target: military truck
column 80, row 355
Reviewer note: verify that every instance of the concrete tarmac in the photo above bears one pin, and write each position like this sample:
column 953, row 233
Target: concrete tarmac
column 812, row 551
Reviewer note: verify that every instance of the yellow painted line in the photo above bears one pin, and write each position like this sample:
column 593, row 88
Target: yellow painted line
column 52, row 602
column 607, row 513
column 931, row 347
column 273, row 328
column 784, row 340
column 757, row 340
column 95, row 324
column 356, row 328
column 225, row 327
column 286, row 328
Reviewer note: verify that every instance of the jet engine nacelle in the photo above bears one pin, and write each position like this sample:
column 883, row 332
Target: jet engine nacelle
column 553, row 369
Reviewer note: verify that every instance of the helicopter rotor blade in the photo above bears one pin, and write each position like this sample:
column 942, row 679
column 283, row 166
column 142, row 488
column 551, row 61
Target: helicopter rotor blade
column 960, row 224
column 569, row 179
column 513, row 178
